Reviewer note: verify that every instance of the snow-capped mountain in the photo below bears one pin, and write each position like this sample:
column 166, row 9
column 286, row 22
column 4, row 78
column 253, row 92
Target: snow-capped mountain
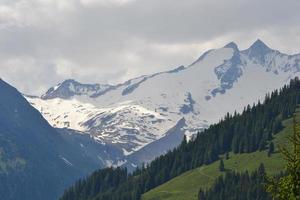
column 37, row 162
column 70, row 88
column 140, row 111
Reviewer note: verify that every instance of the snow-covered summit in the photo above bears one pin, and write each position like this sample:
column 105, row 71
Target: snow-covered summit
column 272, row 60
column 232, row 45
column 70, row 88
column 258, row 51
column 140, row 111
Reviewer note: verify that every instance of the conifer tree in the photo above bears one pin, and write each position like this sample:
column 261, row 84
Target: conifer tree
column 221, row 166
column 271, row 149
column 227, row 156
column 288, row 186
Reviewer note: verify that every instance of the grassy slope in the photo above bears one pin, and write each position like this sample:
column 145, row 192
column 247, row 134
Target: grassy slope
column 186, row 186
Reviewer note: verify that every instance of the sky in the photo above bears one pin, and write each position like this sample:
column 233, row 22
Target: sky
column 43, row 42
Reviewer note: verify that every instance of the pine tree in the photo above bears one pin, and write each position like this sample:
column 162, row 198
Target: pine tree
column 221, row 166
column 288, row 186
column 201, row 195
column 227, row 156
column 271, row 149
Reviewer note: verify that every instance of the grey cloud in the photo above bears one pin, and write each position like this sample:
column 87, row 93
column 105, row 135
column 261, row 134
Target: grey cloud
column 43, row 42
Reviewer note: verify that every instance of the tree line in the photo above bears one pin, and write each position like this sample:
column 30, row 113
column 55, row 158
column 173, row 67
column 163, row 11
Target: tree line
column 247, row 132
column 238, row 186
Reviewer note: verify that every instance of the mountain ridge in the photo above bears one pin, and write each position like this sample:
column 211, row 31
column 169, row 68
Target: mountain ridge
column 140, row 111
column 239, row 134
column 259, row 47
column 36, row 162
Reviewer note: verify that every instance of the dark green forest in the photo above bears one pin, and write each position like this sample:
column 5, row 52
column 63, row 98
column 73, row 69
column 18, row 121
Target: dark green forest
column 247, row 132
column 238, row 186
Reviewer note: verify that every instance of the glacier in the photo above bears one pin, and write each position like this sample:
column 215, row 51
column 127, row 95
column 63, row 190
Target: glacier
column 132, row 115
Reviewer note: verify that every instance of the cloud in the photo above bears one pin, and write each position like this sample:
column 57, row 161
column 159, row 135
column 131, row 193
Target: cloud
column 43, row 42
column 105, row 2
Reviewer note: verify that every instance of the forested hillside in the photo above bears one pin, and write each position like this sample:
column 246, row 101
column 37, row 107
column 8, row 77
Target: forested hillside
column 187, row 185
column 235, row 185
column 36, row 162
column 247, row 132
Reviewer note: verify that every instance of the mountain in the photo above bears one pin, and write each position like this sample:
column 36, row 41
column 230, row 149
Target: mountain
column 243, row 140
column 140, row 111
column 171, row 140
column 36, row 161
column 187, row 185
column 70, row 88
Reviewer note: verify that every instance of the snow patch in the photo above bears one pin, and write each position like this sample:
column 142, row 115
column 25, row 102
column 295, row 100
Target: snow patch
column 66, row 161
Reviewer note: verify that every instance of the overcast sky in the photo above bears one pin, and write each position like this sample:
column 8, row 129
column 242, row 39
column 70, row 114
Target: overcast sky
column 43, row 42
